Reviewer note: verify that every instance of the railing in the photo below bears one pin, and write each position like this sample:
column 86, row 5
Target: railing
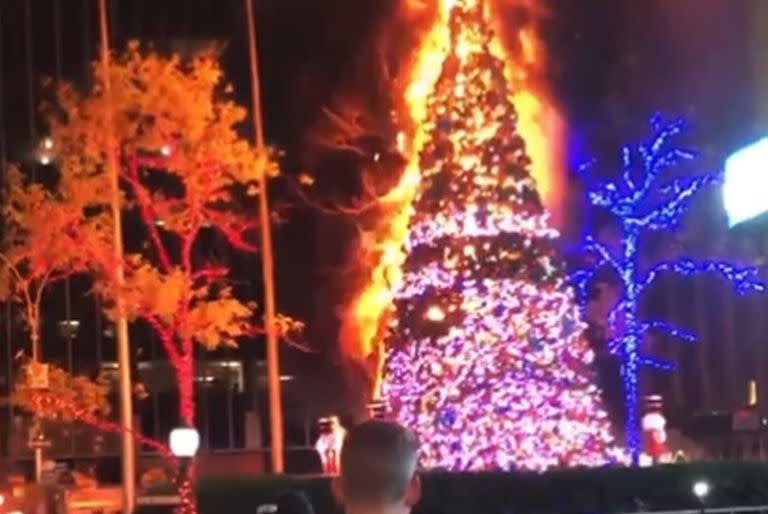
column 111, row 500
column 756, row 509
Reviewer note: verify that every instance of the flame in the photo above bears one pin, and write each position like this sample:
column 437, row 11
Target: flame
column 364, row 327
column 539, row 120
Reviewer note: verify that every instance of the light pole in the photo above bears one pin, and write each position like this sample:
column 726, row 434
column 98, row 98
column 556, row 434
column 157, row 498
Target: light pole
column 270, row 325
column 121, row 323
column 701, row 492
column 184, row 443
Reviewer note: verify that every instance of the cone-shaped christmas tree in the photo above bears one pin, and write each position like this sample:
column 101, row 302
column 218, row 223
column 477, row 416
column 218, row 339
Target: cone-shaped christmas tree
column 485, row 357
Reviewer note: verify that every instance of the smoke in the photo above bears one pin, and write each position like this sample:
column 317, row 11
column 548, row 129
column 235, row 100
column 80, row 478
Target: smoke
column 354, row 139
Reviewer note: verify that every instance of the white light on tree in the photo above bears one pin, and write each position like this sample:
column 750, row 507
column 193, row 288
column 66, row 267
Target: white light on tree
column 745, row 189
column 184, row 441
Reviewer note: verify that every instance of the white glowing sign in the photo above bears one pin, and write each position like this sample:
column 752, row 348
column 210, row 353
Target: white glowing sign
column 745, row 190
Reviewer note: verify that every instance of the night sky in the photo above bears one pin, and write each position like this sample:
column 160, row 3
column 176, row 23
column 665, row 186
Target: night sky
column 611, row 62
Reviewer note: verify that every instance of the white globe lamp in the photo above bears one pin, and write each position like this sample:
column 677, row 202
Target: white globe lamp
column 701, row 489
column 184, row 442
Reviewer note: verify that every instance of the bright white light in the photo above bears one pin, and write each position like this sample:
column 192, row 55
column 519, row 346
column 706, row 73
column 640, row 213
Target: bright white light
column 165, row 150
column 701, row 489
column 45, row 160
column 184, row 442
column 48, row 143
column 745, row 190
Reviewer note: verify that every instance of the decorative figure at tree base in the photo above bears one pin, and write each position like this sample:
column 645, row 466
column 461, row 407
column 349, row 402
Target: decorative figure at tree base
column 329, row 444
column 654, row 431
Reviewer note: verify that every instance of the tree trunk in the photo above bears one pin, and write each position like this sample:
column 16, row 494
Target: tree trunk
column 185, row 384
column 185, row 483
column 185, row 480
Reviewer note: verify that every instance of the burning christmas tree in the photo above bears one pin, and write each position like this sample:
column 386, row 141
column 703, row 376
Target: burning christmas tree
column 485, row 357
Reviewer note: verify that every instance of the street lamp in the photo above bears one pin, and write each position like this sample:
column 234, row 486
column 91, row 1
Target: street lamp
column 45, row 152
column 701, row 491
column 184, row 442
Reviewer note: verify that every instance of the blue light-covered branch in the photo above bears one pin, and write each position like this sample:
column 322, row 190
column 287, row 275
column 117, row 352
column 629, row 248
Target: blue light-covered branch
column 742, row 279
column 667, row 329
column 655, row 363
column 642, row 199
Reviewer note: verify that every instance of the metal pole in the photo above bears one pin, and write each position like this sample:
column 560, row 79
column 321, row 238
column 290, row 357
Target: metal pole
column 270, row 327
column 121, row 323
column 36, row 434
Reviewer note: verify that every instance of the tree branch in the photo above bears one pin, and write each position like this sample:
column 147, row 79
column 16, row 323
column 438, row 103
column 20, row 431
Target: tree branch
column 11, row 267
column 166, row 338
column 614, row 312
column 146, row 211
column 592, row 245
column 43, row 401
column 667, row 215
column 581, row 280
column 614, row 345
column 743, row 280
column 654, row 363
column 303, row 347
column 367, row 201
column 667, row 329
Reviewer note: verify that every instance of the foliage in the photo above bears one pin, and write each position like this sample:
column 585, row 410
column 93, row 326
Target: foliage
column 77, row 396
column 39, row 245
column 155, row 477
column 186, row 174
column 648, row 197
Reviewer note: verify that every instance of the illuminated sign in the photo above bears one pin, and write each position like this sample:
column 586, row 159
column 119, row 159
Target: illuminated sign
column 745, row 190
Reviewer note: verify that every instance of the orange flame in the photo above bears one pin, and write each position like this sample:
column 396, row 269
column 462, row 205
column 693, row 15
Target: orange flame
column 364, row 327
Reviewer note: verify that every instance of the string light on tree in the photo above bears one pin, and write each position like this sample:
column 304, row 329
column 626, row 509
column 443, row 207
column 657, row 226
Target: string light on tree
column 485, row 356
column 644, row 200
column 435, row 313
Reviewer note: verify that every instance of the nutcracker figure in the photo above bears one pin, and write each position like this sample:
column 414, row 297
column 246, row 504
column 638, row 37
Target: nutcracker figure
column 377, row 409
column 329, row 444
column 654, row 431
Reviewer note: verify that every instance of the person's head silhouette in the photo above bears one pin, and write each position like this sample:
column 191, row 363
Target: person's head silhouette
column 378, row 470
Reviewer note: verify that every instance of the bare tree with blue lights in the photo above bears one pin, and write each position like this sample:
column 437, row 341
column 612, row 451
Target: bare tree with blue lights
column 646, row 199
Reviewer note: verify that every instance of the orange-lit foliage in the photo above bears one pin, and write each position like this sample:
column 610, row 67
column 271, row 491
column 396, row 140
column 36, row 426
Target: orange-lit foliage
column 365, row 321
column 78, row 397
column 73, row 398
column 38, row 247
column 190, row 179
